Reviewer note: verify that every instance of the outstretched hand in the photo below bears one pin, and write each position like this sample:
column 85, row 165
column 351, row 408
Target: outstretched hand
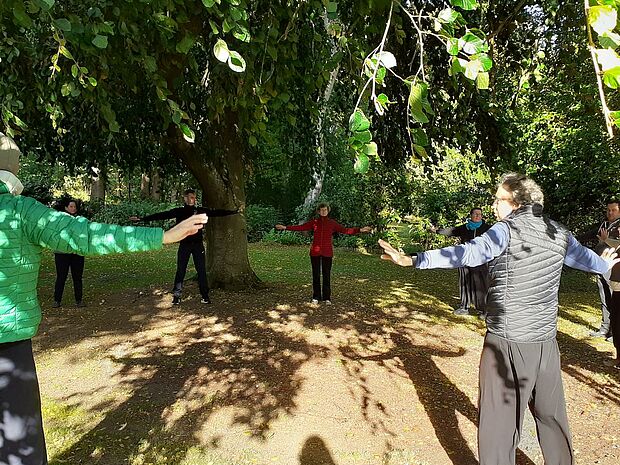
column 134, row 218
column 185, row 228
column 366, row 229
column 280, row 227
column 394, row 255
column 611, row 257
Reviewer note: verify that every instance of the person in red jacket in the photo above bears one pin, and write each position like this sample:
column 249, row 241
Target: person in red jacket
column 322, row 249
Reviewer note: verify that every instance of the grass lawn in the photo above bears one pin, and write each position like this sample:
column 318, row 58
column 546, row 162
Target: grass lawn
column 386, row 375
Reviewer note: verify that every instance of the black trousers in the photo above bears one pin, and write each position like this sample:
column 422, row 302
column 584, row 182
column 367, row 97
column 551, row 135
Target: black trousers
column 605, row 294
column 514, row 376
column 64, row 263
column 323, row 264
column 197, row 252
column 21, row 429
column 614, row 309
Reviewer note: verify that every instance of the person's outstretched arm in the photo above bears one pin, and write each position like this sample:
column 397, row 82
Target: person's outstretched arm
column 584, row 259
column 296, row 227
column 344, row 230
column 165, row 215
column 478, row 251
column 216, row 211
column 64, row 233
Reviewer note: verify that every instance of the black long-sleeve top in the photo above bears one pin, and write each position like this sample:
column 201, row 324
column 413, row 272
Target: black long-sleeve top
column 463, row 233
column 182, row 213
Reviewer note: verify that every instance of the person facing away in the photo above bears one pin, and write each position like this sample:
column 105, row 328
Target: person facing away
column 520, row 360
column 66, row 262
column 473, row 281
column 26, row 227
column 322, row 249
column 607, row 234
column 190, row 246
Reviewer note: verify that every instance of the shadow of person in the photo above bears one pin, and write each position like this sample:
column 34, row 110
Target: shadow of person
column 315, row 452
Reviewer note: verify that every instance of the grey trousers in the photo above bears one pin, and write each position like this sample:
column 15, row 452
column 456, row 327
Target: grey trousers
column 513, row 376
column 605, row 293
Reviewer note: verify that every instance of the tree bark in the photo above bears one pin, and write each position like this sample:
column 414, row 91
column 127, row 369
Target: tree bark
column 97, row 185
column 216, row 161
column 145, row 186
column 155, row 186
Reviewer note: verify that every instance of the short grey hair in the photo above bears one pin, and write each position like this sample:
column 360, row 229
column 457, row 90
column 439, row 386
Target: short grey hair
column 524, row 190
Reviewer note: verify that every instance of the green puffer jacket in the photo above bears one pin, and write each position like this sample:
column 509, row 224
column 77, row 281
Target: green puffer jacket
column 26, row 226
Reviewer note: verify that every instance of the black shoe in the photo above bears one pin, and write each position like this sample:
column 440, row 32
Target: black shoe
column 56, row 305
column 176, row 300
column 206, row 301
column 80, row 304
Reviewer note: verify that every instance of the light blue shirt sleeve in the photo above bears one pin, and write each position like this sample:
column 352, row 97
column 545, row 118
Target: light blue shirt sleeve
column 584, row 259
column 478, row 251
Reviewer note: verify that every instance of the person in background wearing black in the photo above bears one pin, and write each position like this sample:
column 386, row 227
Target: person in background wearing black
column 191, row 245
column 66, row 262
column 473, row 282
column 602, row 235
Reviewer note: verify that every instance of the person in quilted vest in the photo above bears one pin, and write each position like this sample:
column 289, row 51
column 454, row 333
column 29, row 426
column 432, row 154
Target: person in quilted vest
column 26, row 227
column 322, row 249
column 520, row 360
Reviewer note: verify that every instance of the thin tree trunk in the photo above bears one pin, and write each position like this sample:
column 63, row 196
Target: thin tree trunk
column 145, row 186
column 97, row 185
column 155, row 186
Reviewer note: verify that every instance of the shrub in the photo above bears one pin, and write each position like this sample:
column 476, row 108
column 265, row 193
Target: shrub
column 260, row 220
column 286, row 238
column 121, row 212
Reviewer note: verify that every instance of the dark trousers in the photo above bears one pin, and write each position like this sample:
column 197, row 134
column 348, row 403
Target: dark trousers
column 64, row 263
column 614, row 309
column 321, row 264
column 473, row 286
column 514, row 376
column 605, row 294
column 21, row 430
column 197, row 252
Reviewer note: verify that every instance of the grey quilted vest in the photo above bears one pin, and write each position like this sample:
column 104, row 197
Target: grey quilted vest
column 522, row 303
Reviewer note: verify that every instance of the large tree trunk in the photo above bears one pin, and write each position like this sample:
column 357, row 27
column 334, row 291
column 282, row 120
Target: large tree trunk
column 155, row 186
column 216, row 161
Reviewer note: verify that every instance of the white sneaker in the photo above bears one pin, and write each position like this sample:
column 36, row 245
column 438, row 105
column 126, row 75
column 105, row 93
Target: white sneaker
column 315, row 301
column 328, row 302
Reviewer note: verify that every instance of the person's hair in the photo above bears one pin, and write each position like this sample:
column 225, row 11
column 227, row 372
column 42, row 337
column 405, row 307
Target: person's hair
column 474, row 209
column 323, row 205
column 613, row 200
column 189, row 191
column 524, row 190
column 68, row 201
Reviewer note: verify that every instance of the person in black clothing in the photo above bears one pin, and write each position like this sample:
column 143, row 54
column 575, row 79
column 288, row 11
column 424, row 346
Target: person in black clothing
column 473, row 282
column 608, row 232
column 190, row 246
column 66, row 262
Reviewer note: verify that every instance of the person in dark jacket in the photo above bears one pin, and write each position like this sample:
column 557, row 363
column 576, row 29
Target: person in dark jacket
column 66, row 262
column 520, row 360
column 190, row 246
column 473, row 282
column 322, row 249
column 608, row 230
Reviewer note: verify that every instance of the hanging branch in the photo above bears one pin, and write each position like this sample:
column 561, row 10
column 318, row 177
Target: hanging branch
column 599, row 73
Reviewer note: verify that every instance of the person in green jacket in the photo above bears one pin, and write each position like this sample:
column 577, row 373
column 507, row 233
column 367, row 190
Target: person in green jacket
column 26, row 227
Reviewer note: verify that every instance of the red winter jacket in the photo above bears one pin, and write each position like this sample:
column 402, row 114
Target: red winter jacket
column 324, row 228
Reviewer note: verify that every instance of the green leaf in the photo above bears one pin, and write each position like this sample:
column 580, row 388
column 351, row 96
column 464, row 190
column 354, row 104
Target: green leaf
column 418, row 102
column 609, row 40
column 471, row 44
column 46, row 5
column 100, row 41
column 457, row 66
column 472, row 68
column 208, row 3
column 63, row 24
column 420, row 151
column 370, row 149
column 448, row 15
column 21, row 17
column 465, row 4
column 362, row 163
column 66, row 89
column 615, row 117
column 607, row 58
column 185, row 44
column 253, row 141
column 358, row 121
column 92, row 81
column 214, row 27
column 363, row 136
column 387, row 59
column 150, row 64
column 220, row 50
column 113, row 126
column 482, row 80
column 484, row 59
column 611, row 77
column 419, row 137
column 65, row 52
column 242, row 34
column 236, row 62
column 332, row 7
column 452, row 45
column 74, row 70
column 602, row 18
column 188, row 134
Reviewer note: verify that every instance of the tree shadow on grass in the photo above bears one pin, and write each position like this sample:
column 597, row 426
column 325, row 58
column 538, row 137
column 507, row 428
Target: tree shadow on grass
column 175, row 390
